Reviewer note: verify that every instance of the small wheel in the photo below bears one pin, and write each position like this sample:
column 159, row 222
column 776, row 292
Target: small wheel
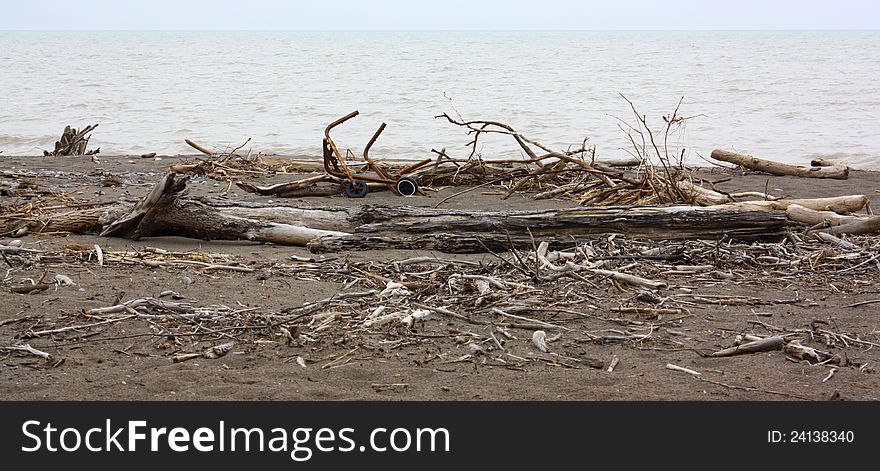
column 407, row 186
column 356, row 190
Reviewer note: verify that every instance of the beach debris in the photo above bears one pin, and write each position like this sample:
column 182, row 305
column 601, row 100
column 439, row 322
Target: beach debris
column 775, row 342
column 211, row 353
column 352, row 172
column 539, row 339
column 63, row 280
column 74, row 142
column 26, row 348
column 670, row 366
column 819, row 168
column 614, row 362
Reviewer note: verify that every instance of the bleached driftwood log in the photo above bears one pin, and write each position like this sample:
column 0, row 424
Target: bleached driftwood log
column 760, row 201
column 838, row 204
column 162, row 213
column 867, row 225
column 819, row 169
column 834, row 223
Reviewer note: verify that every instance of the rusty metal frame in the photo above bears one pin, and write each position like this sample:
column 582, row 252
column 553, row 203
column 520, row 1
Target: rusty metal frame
column 335, row 164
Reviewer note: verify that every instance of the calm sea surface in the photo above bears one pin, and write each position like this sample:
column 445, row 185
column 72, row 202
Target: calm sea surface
column 789, row 96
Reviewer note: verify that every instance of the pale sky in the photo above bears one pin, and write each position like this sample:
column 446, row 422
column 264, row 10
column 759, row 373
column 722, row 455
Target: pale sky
column 413, row 15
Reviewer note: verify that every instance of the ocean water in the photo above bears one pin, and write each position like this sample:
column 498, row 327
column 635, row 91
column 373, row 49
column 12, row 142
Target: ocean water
column 788, row 96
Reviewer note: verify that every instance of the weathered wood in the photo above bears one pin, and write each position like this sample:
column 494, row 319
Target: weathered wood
column 868, row 225
column 198, row 147
column 316, row 186
column 78, row 221
column 73, row 142
column 196, row 220
column 651, row 222
column 314, row 218
column 473, row 242
column 820, row 168
column 838, row 204
column 775, row 342
column 160, row 212
column 137, row 222
column 811, row 217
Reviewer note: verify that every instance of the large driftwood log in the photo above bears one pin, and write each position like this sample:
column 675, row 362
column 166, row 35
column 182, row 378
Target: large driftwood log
column 658, row 222
column 819, row 169
column 161, row 212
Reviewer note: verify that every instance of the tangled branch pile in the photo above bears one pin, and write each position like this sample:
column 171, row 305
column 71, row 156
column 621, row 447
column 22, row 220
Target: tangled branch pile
column 74, row 142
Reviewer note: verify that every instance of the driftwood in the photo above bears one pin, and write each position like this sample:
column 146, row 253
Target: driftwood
column 838, row 204
column 659, row 222
column 762, row 345
column 834, row 223
column 476, row 232
column 868, row 225
column 74, row 142
column 812, row 217
column 474, row 242
column 162, row 213
column 819, row 169
column 198, row 147
column 321, row 185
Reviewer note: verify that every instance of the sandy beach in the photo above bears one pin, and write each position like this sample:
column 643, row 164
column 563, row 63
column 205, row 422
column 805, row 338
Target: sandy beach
column 433, row 359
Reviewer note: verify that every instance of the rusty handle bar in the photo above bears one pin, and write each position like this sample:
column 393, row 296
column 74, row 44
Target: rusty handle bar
column 372, row 141
column 338, row 122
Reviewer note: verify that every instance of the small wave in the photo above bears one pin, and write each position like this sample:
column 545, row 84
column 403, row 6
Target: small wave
column 18, row 140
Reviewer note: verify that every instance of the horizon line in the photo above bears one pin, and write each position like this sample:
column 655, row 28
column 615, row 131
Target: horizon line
column 536, row 30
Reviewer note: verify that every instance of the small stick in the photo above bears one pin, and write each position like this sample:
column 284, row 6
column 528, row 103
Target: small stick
column 872, row 301
column 447, row 312
column 76, row 327
column 198, row 147
column 100, row 254
column 670, row 366
column 630, row 279
column 27, row 348
column 333, row 363
column 614, row 362
column 830, row 374
column 527, row 319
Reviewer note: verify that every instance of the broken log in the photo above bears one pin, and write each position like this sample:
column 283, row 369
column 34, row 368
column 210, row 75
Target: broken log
column 820, row 169
column 775, row 342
